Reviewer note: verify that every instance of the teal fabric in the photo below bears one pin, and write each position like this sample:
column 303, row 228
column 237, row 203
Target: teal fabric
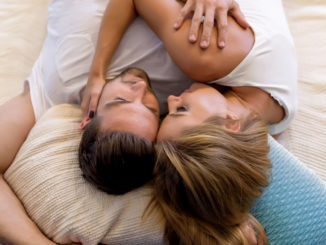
column 293, row 207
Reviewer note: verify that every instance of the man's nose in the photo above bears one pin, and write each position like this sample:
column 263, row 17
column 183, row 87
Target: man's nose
column 140, row 88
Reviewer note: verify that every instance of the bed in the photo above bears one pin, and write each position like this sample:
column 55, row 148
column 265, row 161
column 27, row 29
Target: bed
column 22, row 31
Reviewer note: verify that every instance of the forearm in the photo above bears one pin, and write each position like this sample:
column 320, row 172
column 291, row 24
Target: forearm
column 15, row 226
column 118, row 16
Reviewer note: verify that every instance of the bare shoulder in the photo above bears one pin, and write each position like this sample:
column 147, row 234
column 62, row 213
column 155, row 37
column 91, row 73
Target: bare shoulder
column 209, row 64
column 199, row 64
column 220, row 62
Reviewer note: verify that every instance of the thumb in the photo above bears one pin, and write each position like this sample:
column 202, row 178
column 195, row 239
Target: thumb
column 182, row 15
column 239, row 16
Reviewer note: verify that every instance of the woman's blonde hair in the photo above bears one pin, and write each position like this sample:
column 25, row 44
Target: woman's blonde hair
column 205, row 182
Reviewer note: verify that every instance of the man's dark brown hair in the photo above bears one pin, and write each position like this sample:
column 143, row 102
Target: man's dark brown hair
column 115, row 162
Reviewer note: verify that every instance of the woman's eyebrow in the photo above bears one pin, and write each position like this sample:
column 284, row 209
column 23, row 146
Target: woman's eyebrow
column 177, row 114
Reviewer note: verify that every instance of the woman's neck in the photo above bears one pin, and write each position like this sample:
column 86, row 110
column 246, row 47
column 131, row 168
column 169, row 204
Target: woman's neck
column 260, row 102
column 241, row 108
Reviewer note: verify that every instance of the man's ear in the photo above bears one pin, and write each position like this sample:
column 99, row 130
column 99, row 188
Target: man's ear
column 86, row 120
column 233, row 122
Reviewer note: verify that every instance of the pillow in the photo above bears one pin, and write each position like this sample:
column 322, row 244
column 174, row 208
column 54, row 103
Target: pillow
column 292, row 208
column 46, row 177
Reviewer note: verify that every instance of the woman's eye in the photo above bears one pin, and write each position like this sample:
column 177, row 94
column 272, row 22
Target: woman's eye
column 181, row 108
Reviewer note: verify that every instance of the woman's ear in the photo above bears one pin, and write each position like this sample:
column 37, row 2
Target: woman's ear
column 248, row 230
column 233, row 122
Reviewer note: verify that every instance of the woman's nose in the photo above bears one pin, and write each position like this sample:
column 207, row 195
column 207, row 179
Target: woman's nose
column 173, row 101
column 173, row 98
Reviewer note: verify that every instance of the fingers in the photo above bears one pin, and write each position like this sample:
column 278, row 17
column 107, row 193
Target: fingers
column 187, row 8
column 208, row 27
column 212, row 10
column 196, row 21
column 84, row 105
column 238, row 15
column 222, row 23
column 93, row 104
column 88, row 106
column 84, row 108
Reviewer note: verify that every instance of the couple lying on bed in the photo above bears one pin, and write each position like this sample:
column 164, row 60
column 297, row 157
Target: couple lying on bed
column 203, row 126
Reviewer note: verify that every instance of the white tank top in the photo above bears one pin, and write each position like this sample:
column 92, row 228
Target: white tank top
column 271, row 64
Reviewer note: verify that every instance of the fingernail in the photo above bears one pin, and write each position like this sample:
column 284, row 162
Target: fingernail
column 192, row 37
column 221, row 44
column 204, row 44
column 91, row 114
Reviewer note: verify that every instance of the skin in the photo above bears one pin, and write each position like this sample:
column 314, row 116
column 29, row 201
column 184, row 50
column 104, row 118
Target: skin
column 193, row 107
column 212, row 10
column 128, row 104
column 15, row 124
column 200, row 65
column 202, row 101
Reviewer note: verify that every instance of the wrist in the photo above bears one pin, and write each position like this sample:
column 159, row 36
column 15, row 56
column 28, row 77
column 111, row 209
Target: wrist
column 98, row 69
column 96, row 75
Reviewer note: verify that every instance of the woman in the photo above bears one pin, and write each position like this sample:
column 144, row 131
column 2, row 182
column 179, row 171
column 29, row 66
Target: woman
column 205, row 182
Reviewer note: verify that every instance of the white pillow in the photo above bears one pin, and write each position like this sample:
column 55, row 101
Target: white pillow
column 47, row 179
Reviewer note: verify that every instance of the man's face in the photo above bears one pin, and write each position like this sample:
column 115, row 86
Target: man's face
column 128, row 104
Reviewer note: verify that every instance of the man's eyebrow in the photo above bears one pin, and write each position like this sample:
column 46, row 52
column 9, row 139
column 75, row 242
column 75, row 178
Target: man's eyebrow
column 113, row 103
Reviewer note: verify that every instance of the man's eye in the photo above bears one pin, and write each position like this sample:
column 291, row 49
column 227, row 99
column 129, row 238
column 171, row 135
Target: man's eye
column 120, row 99
column 129, row 82
column 181, row 108
column 153, row 110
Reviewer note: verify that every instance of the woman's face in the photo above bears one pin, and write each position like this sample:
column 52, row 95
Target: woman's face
column 191, row 108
